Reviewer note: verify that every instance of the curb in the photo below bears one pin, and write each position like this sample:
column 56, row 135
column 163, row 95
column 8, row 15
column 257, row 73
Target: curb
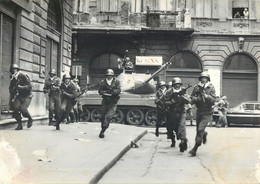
column 103, row 171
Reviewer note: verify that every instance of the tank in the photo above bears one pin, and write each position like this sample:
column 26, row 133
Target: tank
column 136, row 105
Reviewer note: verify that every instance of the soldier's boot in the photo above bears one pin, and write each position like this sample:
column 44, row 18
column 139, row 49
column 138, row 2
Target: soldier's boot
column 20, row 126
column 204, row 139
column 101, row 134
column 50, row 121
column 183, row 145
column 194, row 150
column 29, row 123
column 57, row 126
column 157, row 132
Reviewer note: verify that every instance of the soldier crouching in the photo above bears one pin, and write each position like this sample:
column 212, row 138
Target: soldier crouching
column 109, row 89
column 21, row 95
column 175, row 100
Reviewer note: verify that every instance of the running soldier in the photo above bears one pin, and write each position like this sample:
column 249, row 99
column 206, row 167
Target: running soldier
column 110, row 89
column 69, row 96
column 52, row 86
column 160, row 107
column 21, row 95
column 175, row 99
column 203, row 96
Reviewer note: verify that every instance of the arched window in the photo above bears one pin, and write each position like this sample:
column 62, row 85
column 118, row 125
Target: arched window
column 105, row 61
column 239, row 62
column 185, row 60
column 100, row 64
column 239, row 81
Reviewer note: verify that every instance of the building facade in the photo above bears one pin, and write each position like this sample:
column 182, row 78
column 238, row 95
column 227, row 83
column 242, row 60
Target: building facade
column 36, row 35
column 221, row 37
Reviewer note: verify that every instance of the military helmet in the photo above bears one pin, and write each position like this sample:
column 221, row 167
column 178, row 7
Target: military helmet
column 224, row 97
column 53, row 71
column 110, row 72
column 66, row 76
column 14, row 66
column 204, row 74
column 170, row 83
column 176, row 80
column 162, row 83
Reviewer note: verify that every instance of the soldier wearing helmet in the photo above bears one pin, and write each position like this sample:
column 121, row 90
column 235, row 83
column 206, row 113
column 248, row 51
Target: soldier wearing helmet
column 69, row 94
column 175, row 100
column 77, row 109
column 203, row 96
column 110, row 89
column 160, row 107
column 222, row 106
column 21, row 95
column 52, row 87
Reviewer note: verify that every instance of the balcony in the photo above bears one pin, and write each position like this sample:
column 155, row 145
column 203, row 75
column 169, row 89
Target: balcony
column 229, row 26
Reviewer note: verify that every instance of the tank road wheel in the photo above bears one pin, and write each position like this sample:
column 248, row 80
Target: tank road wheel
column 86, row 114
column 118, row 117
column 151, row 117
column 135, row 117
column 95, row 115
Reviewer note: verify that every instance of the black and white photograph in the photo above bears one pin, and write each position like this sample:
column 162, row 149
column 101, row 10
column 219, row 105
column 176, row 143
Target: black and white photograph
column 130, row 91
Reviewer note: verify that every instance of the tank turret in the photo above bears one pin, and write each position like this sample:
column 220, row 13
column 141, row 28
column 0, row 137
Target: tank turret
column 139, row 83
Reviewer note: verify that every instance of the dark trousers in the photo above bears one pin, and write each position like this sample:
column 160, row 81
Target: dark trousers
column 66, row 107
column 107, row 112
column 20, row 106
column 54, row 106
column 201, row 124
column 176, row 122
column 160, row 116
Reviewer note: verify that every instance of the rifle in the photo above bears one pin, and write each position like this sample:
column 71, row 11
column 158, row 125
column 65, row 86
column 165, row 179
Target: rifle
column 86, row 88
column 201, row 92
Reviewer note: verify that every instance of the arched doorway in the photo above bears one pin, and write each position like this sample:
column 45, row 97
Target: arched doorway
column 100, row 64
column 240, row 79
column 186, row 66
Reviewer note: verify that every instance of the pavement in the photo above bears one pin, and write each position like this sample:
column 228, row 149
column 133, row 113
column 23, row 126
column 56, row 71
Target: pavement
column 75, row 154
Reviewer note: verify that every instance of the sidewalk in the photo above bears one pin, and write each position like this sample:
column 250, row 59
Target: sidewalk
column 75, row 154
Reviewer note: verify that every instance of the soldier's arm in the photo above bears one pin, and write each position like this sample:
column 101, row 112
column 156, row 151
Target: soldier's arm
column 211, row 97
column 101, row 89
column 25, row 82
column 117, row 89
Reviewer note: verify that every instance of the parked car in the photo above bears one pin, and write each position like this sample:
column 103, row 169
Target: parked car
column 246, row 113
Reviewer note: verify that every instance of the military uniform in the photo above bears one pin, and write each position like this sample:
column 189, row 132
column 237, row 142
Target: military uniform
column 175, row 101
column 52, row 86
column 69, row 94
column 222, row 111
column 160, row 108
column 203, row 96
column 21, row 94
column 77, row 109
column 110, row 94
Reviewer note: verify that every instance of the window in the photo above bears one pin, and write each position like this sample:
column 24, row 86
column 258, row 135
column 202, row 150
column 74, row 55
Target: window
column 240, row 62
column 53, row 19
column 238, row 8
column 248, row 106
column 109, row 5
column 257, row 106
column 185, row 60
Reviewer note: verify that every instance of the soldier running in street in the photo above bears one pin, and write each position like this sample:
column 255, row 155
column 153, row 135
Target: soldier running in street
column 159, row 105
column 203, row 96
column 69, row 95
column 175, row 99
column 21, row 95
column 109, row 89
column 52, row 86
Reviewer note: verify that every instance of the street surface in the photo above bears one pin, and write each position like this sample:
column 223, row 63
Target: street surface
column 231, row 156
column 75, row 154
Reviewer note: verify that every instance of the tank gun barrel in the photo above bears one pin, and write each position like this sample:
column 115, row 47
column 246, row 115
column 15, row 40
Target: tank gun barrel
column 155, row 73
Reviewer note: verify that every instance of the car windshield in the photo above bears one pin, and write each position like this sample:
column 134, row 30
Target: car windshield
column 248, row 106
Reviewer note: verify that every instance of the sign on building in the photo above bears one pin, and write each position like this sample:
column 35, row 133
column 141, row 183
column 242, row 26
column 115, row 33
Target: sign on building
column 148, row 60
